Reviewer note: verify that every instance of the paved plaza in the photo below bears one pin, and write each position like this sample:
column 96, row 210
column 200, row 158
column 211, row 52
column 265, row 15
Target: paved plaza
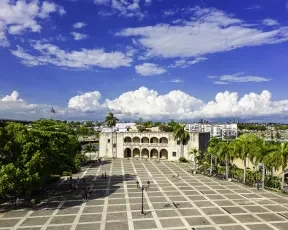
column 189, row 202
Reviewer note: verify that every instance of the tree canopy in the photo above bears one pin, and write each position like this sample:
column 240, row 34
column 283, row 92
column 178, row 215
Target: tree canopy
column 29, row 156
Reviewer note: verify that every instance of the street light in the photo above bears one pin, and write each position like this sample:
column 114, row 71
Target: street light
column 142, row 188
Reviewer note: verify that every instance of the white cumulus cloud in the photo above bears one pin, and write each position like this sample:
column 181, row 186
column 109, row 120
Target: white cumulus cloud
column 149, row 69
column 78, row 36
column 124, row 8
column 19, row 16
column 208, row 31
column 149, row 104
column 238, row 78
column 79, row 25
column 84, row 58
column 270, row 22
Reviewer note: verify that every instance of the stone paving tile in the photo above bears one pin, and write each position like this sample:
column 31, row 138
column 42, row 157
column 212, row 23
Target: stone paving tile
column 171, row 222
column 116, row 216
column 195, row 221
column 138, row 215
column 259, row 227
column 276, row 208
column 281, row 226
column 66, row 211
column 93, row 209
column 8, row 222
column 90, row 218
column 34, row 221
column 270, row 217
column 255, row 209
column 62, row 220
column 95, row 202
column 190, row 212
column 43, row 212
column 247, row 218
column 222, row 219
column 144, row 224
column 203, row 204
column 62, row 227
column 232, row 227
column 234, row 210
column 166, row 213
column 14, row 214
column 212, row 211
column 88, row 226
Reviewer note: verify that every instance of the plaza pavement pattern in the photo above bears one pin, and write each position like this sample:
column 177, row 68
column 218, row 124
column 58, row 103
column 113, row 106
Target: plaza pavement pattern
column 189, row 202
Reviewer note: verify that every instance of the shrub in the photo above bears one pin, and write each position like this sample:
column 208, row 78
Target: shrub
column 183, row 159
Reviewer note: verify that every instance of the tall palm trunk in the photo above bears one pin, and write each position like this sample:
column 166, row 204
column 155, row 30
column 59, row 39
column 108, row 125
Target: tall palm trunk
column 244, row 176
column 263, row 176
column 283, row 178
column 211, row 164
column 226, row 159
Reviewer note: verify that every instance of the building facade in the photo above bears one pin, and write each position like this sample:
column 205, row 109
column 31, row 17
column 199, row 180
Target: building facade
column 216, row 130
column 150, row 145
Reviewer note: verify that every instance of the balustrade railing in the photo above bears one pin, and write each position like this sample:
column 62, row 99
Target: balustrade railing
column 145, row 144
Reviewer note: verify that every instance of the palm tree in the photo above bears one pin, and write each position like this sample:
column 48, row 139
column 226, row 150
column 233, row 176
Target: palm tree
column 196, row 154
column 223, row 154
column 89, row 148
column 265, row 154
column 283, row 155
column 212, row 150
column 181, row 135
column 110, row 120
column 244, row 146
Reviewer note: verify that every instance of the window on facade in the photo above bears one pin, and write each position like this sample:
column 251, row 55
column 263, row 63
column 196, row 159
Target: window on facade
column 178, row 142
column 114, row 145
column 108, row 140
column 174, row 154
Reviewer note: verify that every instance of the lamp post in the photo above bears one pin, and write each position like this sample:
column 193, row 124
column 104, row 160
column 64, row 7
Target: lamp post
column 142, row 188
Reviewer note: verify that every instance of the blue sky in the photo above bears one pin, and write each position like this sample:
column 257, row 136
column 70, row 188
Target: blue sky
column 156, row 59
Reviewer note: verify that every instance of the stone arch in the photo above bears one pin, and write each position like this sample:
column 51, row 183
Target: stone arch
column 127, row 153
column 136, row 152
column 145, row 140
column 127, row 140
column 145, row 153
column 163, row 140
column 154, row 153
column 163, row 154
column 154, row 140
column 136, row 140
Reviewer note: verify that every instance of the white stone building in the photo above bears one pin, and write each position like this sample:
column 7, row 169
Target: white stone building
column 151, row 145
column 215, row 130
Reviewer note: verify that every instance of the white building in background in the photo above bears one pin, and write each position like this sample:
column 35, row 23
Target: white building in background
column 119, row 127
column 150, row 145
column 215, row 130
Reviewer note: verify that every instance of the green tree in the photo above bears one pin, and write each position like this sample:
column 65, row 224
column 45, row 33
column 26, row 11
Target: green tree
column 265, row 155
column 111, row 120
column 181, row 136
column 164, row 128
column 89, row 148
column 283, row 155
column 244, row 148
column 196, row 153
column 213, row 147
column 172, row 125
column 225, row 151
